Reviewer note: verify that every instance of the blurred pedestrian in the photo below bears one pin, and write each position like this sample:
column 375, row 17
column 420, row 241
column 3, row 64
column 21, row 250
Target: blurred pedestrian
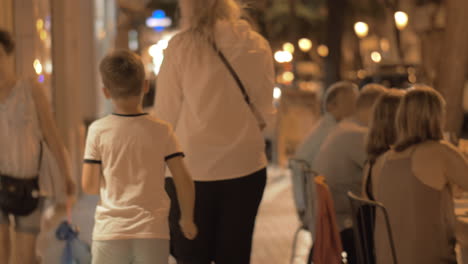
column 341, row 160
column 414, row 182
column 25, row 119
column 216, row 87
column 125, row 157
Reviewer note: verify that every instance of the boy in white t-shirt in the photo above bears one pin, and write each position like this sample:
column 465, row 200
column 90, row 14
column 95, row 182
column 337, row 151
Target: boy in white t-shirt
column 125, row 159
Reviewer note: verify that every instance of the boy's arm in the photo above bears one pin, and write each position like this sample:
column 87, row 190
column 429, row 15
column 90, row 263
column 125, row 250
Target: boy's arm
column 185, row 194
column 90, row 180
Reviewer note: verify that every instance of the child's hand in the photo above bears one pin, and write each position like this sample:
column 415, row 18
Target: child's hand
column 188, row 228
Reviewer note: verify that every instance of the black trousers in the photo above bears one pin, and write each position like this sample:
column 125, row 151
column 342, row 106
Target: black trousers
column 225, row 213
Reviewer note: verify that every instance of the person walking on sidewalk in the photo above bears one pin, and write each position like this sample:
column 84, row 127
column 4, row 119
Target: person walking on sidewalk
column 125, row 157
column 25, row 120
column 215, row 87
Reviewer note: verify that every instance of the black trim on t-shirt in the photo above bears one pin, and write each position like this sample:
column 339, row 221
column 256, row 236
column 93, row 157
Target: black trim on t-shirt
column 90, row 161
column 130, row 115
column 178, row 154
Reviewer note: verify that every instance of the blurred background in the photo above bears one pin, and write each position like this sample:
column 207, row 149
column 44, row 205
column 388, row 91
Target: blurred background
column 315, row 43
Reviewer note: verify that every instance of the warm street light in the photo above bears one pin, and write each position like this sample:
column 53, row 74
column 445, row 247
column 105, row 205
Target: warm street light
column 37, row 66
column 305, row 44
column 401, row 20
column 361, row 29
column 288, row 76
column 289, row 47
column 322, row 50
column 39, row 24
column 48, row 67
column 376, row 57
column 283, row 56
column 277, row 93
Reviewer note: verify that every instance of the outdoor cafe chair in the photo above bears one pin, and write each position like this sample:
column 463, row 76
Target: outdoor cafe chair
column 305, row 175
column 364, row 212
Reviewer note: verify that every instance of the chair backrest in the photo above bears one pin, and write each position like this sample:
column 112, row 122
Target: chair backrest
column 364, row 212
column 328, row 247
column 303, row 177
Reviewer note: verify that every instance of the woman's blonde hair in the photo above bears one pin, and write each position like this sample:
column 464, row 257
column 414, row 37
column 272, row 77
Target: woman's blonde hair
column 382, row 130
column 420, row 117
column 201, row 16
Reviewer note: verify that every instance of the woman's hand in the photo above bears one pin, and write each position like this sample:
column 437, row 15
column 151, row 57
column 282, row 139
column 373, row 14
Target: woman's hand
column 189, row 229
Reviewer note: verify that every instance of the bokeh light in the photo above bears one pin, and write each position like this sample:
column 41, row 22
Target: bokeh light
column 401, row 20
column 277, row 93
column 322, row 51
column 37, row 66
column 305, row 44
column 289, row 47
column 376, row 57
column 361, row 29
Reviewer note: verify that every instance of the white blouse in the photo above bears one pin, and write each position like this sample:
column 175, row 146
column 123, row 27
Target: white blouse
column 199, row 97
column 19, row 133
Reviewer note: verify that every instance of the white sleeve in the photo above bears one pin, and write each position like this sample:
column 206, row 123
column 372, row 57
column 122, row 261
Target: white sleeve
column 173, row 148
column 265, row 102
column 169, row 94
column 92, row 151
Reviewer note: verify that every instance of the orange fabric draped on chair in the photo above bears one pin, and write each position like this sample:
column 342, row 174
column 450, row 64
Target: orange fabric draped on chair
column 327, row 245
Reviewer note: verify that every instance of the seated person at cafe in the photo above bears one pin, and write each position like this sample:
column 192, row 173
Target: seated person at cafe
column 339, row 102
column 341, row 160
column 415, row 182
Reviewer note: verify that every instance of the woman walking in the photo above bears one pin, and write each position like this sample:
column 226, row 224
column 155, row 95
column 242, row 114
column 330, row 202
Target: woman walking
column 215, row 87
column 25, row 120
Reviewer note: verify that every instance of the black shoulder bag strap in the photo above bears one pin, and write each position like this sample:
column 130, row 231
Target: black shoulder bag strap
column 233, row 73
column 258, row 116
column 41, row 153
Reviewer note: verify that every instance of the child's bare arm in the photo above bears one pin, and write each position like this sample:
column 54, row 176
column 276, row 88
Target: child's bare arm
column 185, row 189
column 90, row 180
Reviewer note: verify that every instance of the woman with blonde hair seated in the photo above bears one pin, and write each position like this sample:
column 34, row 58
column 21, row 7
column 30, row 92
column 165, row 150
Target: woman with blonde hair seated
column 414, row 183
column 382, row 135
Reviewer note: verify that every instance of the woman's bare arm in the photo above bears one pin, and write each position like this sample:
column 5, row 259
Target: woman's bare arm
column 52, row 136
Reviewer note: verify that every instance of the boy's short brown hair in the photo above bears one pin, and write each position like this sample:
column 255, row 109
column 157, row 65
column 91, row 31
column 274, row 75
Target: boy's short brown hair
column 6, row 41
column 122, row 73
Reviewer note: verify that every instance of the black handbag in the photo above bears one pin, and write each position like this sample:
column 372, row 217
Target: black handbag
column 19, row 197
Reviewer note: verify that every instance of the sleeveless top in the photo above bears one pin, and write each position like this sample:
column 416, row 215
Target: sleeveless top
column 422, row 218
column 19, row 133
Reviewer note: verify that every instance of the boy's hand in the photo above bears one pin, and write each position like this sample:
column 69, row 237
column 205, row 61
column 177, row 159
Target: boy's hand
column 188, row 228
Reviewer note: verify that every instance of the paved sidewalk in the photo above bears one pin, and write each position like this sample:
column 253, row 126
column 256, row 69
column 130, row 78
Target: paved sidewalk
column 277, row 223
column 275, row 227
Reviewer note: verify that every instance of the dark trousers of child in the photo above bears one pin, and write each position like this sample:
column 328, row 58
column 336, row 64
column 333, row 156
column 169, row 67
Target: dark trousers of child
column 225, row 213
